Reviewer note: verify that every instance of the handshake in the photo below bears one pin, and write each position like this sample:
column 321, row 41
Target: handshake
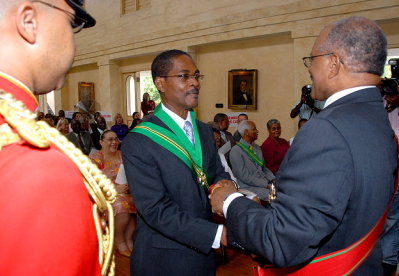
column 219, row 192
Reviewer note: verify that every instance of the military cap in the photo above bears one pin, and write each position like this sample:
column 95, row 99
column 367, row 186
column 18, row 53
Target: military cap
column 77, row 6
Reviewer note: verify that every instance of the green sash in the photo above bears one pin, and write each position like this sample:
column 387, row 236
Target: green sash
column 251, row 154
column 176, row 141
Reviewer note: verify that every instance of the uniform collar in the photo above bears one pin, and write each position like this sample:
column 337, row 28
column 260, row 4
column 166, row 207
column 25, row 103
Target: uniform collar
column 19, row 90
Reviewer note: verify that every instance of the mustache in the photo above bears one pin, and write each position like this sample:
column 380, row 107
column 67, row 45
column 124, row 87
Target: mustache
column 193, row 91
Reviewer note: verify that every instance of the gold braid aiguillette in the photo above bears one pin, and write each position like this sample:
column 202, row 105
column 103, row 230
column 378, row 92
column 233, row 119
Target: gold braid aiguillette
column 100, row 188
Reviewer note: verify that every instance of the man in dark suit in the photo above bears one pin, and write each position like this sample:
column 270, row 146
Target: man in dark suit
column 241, row 95
column 174, row 234
column 337, row 178
column 100, row 127
column 81, row 139
column 222, row 121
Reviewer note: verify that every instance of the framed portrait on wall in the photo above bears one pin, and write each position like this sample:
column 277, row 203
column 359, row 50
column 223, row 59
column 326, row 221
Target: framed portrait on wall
column 242, row 89
column 86, row 96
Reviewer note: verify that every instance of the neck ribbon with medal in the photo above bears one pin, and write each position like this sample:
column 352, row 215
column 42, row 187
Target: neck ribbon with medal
column 177, row 142
column 251, row 154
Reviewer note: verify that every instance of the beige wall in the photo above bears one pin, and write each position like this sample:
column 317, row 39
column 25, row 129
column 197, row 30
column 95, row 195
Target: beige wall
column 272, row 56
column 271, row 36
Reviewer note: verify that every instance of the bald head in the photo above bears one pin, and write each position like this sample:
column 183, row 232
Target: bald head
column 36, row 42
column 359, row 42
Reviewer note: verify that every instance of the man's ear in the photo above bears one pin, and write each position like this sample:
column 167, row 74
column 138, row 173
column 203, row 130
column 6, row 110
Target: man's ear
column 26, row 22
column 160, row 83
column 334, row 66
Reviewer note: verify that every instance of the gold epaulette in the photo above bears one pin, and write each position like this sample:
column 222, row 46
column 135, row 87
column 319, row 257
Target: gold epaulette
column 100, row 188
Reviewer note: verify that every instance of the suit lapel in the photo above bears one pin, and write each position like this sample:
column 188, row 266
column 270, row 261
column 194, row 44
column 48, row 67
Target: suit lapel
column 155, row 120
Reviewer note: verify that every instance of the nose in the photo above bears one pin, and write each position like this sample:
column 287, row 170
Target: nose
column 194, row 82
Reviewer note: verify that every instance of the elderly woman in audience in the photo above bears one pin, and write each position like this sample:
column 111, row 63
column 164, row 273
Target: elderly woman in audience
column 119, row 127
column 274, row 148
column 63, row 126
column 109, row 160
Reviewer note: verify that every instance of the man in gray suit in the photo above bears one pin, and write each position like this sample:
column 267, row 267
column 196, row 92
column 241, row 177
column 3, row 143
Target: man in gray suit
column 166, row 159
column 337, row 179
column 247, row 162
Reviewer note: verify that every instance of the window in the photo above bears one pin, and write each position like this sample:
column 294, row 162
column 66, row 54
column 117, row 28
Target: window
column 137, row 84
column 129, row 6
column 147, row 86
column 47, row 103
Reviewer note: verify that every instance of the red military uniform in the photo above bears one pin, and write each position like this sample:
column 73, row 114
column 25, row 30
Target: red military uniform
column 46, row 221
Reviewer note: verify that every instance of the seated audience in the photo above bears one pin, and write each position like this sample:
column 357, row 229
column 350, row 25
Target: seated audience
column 247, row 193
column 76, row 115
column 95, row 135
column 93, row 121
column 119, row 127
column 274, row 148
column 49, row 119
column 222, row 122
column 216, row 135
column 81, row 139
column 136, row 115
column 135, row 123
column 61, row 114
column 39, row 116
column 63, row 126
column 247, row 162
column 85, row 120
column 237, row 136
column 109, row 160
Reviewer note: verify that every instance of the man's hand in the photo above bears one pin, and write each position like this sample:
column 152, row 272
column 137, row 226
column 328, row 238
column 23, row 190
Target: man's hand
column 225, row 188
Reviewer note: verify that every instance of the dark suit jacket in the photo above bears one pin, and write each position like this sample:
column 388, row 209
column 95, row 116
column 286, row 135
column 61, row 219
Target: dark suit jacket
column 240, row 100
column 88, row 144
column 174, row 235
column 95, row 137
column 334, row 184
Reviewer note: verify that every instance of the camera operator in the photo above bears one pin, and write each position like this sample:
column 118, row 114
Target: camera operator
column 390, row 91
column 390, row 238
column 392, row 104
column 306, row 107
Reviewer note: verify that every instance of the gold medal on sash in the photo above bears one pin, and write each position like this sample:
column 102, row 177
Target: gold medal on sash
column 202, row 179
column 272, row 193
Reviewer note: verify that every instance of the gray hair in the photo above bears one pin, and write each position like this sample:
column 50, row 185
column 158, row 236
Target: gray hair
column 360, row 44
column 271, row 122
column 242, row 126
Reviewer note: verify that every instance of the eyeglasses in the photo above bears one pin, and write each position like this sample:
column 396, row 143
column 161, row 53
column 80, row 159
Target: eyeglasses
column 77, row 22
column 307, row 60
column 112, row 139
column 186, row 77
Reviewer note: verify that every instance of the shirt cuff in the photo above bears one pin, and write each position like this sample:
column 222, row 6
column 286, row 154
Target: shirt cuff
column 228, row 200
column 216, row 242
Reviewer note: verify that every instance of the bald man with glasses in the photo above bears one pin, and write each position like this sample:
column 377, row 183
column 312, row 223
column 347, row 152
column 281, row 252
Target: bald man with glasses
column 52, row 197
column 336, row 181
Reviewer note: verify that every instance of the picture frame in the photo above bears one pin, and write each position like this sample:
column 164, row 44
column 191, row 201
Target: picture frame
column 86, row 96
column 242, row 93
